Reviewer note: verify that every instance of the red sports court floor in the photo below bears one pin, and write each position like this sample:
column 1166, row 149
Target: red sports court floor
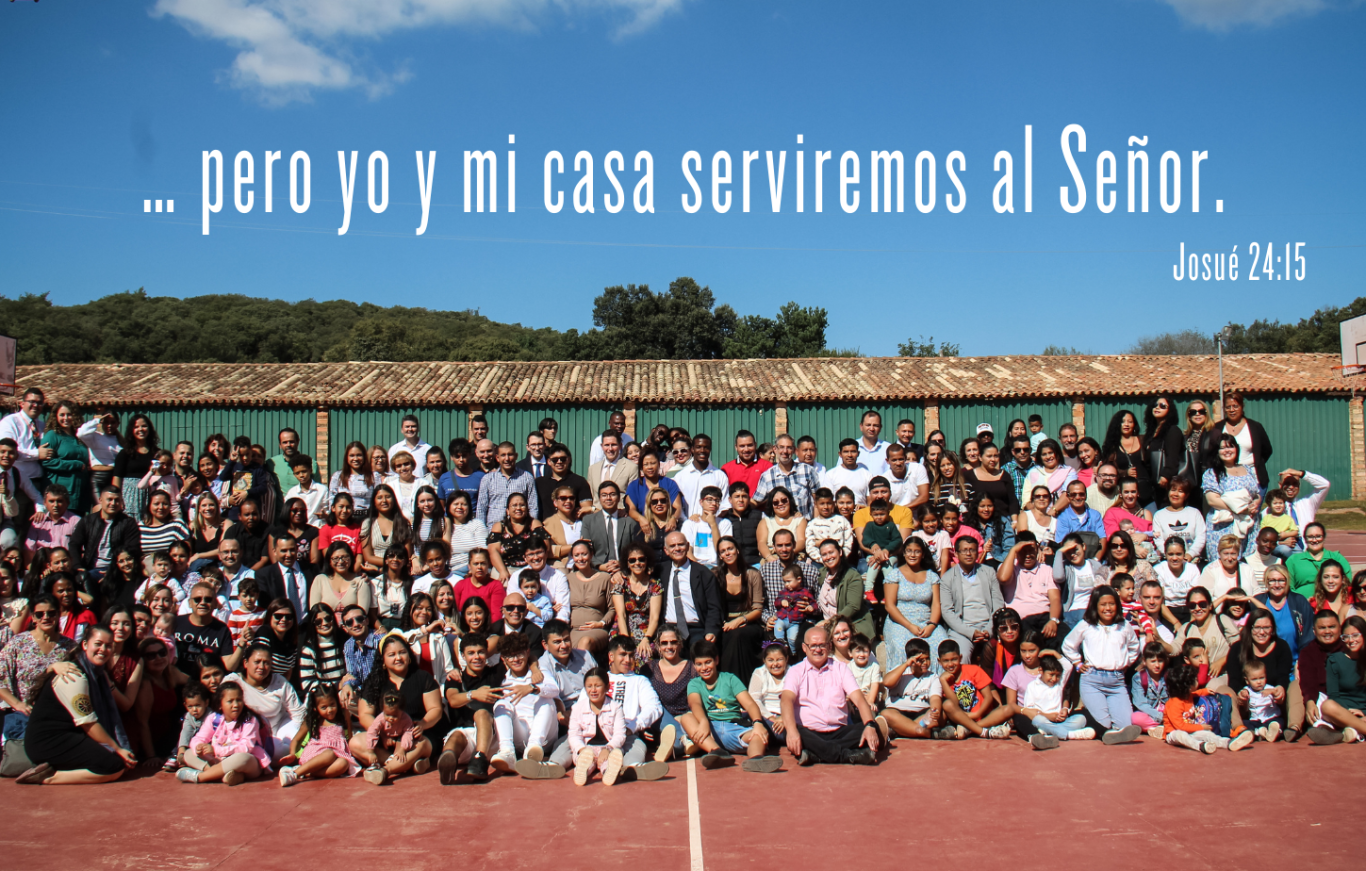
column 953, row 805
column 949, row 805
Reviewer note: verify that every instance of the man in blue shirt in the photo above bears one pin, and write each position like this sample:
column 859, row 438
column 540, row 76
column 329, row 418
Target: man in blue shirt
column 1077, row 516
column 462, row 476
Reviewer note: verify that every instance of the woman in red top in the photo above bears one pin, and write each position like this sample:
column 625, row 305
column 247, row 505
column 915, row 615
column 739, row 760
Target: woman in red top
column 74, row 617
column 479, row 582
column 342, row 526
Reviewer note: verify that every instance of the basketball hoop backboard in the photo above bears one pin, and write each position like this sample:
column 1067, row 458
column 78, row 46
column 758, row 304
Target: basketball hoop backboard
column 1353, row 346
column 9, row 351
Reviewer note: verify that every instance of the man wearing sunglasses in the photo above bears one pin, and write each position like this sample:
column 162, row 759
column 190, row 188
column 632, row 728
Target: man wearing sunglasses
column 201, row 632
column 514, row 620
column 1021, row 461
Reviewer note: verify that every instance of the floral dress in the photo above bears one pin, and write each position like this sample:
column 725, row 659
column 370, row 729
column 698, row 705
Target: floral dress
column 638, row 613
column 22, row 664
column 512, row 545
column 1212, row 483
column 914, row 602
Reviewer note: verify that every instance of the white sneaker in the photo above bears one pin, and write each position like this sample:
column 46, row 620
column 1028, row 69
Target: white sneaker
column 503, row 760
column 612, row 768
column 1087, row 734
column 1243, row 740
column 1157, row 732
column 583, row 765
column 1272, row 733
column 1208, row 748
column 666, row 743
column 289, row 776
column 534, row 753
column 1001, row 731
column 187, row 775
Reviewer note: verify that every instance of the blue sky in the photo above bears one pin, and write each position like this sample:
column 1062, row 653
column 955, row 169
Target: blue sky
column 105, row 105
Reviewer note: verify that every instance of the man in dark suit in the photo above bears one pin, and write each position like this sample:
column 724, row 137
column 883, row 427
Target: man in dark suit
column 535, row 463
column 692, row 595
column 283, row 578
column 610, row 529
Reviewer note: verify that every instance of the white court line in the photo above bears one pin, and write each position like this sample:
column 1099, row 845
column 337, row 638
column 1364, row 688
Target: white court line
column 694, row 818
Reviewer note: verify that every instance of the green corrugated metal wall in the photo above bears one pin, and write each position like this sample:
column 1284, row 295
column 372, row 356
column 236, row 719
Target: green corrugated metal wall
column 579, row 425
column 1306, row 432
column 719, row 422
column 959, row 420
column 263, row 425
column 831, row 423
column 380, row 426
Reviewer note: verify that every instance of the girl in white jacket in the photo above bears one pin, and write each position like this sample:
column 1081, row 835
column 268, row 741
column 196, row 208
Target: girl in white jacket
column 597, row 731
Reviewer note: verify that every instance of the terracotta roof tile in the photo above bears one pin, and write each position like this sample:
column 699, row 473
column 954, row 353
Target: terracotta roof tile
column 678, row 381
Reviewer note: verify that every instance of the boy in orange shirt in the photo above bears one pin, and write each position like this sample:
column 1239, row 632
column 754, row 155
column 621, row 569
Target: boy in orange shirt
column 971, row 703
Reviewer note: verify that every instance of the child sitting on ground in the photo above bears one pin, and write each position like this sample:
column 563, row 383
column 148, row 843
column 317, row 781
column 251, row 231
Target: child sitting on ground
column 970, row 700
column 866, row 670
column 1262, row 714
column 728, row 720
column 1193, row 718
column 1048, row 711
column 392, row 738
column 327, row 729
column 227, row 748
column 915, row 697
column 793, row 605
column 597, row 731
column 1148, row 689
column 766, row 687
column 195, row 696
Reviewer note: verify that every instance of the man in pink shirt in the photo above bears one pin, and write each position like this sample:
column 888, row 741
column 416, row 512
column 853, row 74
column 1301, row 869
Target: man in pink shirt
column 748, row 465
column 817, row 693
column 54, row 527
column 1029, row 588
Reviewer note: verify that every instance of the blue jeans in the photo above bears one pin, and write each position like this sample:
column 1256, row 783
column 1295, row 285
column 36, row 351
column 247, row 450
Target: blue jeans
column 1283, row 551
column 668, row 719
column 728, row 735
column 1059, row 730
column 1106, row 698
column 785, row 631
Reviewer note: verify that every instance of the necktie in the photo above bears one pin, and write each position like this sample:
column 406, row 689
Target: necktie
column 540, row 469
column 679, row 616
column 611, row 538
column 606, row 471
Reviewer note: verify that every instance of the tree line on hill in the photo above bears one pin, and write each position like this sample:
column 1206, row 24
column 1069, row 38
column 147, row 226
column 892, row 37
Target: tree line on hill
column 630, row 323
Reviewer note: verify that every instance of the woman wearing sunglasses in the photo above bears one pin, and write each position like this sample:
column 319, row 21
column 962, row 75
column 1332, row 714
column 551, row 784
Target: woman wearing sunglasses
column 156, row 717
column 322, row 645
column 23, row 663
column 638, row 601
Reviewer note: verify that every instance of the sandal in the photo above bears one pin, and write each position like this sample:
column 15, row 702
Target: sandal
column 36, row 775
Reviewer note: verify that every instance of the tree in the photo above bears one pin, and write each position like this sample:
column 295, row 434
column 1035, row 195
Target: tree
column 1318, row 333
column 1059, row 351
column 922, row 348
column 1168, row 344
column 797, row 332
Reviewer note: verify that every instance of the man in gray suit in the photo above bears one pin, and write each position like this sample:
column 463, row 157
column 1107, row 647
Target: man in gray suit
column 613, row 467
column 610, row 528
column 969, row 594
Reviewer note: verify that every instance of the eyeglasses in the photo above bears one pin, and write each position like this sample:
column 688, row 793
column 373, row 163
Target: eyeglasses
column 1199, row 606
column 667, row 643
column 1019, row 450
column 659, row 501
column 202, row 600
column 355, row 621
column 514, row 608
column 636, row 561
column 811, row 646
column 282, row 617
column 44, row 615
column 1043, row 496
column 1194, row 411
column 559, row 459
column 1008, row 627
column 154, row 654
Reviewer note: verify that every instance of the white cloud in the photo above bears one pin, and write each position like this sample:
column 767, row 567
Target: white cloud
column 1224, row 14
column 288, row 48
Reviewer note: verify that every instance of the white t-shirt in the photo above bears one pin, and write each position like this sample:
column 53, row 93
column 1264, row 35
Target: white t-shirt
column 906, row 489
column 699, row 535
column 767, row 691
column 314, row 497
column 855, row 479
column 912, row 694
column 1044, row 698
column 1174, row 588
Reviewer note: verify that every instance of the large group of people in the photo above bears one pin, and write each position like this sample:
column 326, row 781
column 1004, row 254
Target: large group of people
column 226, row 613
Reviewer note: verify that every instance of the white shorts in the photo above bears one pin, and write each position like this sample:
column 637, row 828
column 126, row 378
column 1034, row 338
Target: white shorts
column 470, row 734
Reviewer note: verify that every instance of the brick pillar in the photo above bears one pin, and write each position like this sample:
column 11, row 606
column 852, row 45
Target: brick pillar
column 1079, row 416
column 320, row 449
column 1358, row 447
column 931, row 417
column 629, row 409
column 469, row 415
column 779, row 419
